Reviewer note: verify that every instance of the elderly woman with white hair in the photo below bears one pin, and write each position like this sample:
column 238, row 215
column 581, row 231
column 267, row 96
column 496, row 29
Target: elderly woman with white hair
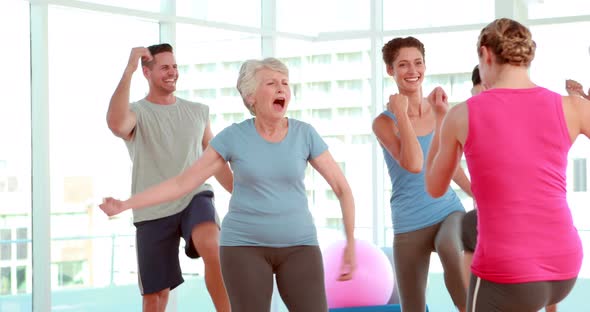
column 268, row 228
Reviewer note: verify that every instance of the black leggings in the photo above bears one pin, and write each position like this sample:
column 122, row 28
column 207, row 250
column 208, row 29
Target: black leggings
column 469, row 233
column 486, row 296
column 411, row 252
column 248, row 275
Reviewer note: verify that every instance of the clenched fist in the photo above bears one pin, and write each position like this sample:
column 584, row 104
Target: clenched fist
column 438, row 101
column 112, row 206
column 137, row 54
column 398, row 104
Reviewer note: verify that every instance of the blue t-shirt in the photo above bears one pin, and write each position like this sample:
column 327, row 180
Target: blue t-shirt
column 412, row 208
column 268, row 206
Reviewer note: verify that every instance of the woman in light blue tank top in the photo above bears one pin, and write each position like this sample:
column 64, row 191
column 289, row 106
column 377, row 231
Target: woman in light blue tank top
column 421, row 223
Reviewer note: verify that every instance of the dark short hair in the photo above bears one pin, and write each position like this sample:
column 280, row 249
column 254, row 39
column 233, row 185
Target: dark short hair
column 391, row 49
column 156, row 49
column 475, row 78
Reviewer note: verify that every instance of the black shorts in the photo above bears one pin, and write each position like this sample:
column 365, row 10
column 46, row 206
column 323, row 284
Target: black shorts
column 158, row 242
column 469, row 232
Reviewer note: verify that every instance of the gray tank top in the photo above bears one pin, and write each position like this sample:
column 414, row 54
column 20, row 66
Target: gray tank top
column 167, row 140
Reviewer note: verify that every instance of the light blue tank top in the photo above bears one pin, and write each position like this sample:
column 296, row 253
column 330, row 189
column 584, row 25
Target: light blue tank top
column 412, row 208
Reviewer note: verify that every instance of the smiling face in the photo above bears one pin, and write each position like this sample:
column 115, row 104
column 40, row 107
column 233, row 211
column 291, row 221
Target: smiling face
column 407, row 69
column 162, row 73
column 272, row 96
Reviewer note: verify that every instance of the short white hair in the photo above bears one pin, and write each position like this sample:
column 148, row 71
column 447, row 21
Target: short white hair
column 247, row 78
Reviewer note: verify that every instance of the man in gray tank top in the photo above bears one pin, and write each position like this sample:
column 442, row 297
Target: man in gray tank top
column 164, row 135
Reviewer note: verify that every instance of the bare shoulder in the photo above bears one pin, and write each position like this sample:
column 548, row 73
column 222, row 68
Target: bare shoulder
column 381, row 120
column 457, row 119
column 385, row 131
column 458, row 112
column 574, row 106
column 575, row 111
column 574, row 100
column 383, row 124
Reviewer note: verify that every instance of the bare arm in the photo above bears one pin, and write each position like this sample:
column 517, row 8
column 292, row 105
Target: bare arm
column 584, row 115
column 577, row 116
column 462, row 180
column 330, row 170
column 445, row 150
column 171, row 189
column 224, row 175
column 120, row 119
column 404, row 148
column 445, row 153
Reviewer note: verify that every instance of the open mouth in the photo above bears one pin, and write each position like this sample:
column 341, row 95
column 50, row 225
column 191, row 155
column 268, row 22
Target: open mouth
column 279, row 104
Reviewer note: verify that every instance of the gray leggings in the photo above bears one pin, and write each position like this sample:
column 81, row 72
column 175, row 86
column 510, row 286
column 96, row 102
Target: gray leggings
column 486, row 296
column 248, row 275
column 411, row 252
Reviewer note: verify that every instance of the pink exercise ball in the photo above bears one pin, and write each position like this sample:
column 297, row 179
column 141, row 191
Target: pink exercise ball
column 372, row 281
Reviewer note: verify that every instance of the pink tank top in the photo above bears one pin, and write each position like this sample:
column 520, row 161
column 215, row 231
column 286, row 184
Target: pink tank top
column 516, row 151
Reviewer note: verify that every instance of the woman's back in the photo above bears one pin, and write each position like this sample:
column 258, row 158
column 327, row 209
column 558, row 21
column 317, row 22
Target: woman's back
column 516, row 149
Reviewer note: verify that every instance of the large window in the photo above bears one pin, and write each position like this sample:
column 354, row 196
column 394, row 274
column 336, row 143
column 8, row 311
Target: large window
column 312, row 17
column 557, row 8
column 212, row 59
column 87, row 161
column 568, row 59
column 429, row 13
column 338, row 82
column 335, row 99
column 146, row 5
column 243, row 12
column 15, row 159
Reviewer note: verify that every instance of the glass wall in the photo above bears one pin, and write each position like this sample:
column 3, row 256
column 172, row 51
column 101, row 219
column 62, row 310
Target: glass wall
column 243, row 12
column 339, row 84
column 557, row 8
column 87, row 161
column 145, row 5
column 562, row 53
column 209, row 61
column 428, row 13
column 15, row 159
column 332, row 92
column 313, row 17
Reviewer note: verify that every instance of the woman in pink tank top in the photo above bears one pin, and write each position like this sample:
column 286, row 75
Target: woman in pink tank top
column 515, row 137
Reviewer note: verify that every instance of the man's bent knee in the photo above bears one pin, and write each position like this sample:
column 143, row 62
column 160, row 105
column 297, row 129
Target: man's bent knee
column 206, row 240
